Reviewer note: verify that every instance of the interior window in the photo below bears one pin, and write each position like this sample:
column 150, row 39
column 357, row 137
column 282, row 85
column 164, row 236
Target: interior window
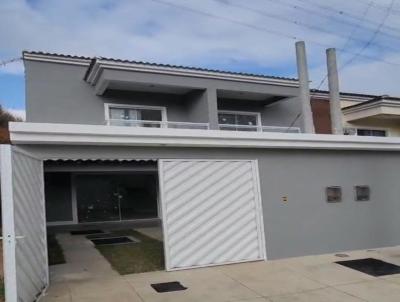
column 131, row 116
column 371, row 132
column 249, row 121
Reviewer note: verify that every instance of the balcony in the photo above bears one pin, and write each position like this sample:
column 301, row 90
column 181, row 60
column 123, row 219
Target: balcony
column 198, row 126
column 253, row 128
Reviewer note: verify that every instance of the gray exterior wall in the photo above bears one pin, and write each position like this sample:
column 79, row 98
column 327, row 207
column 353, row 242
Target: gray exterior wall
column 306, row 223
column 57, row 93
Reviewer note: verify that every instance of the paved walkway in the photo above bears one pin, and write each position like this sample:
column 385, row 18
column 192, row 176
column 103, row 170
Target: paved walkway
column 88, row 277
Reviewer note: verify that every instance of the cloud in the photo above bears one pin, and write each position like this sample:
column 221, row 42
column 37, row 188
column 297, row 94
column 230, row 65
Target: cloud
column 229, row 34
column 17, row 112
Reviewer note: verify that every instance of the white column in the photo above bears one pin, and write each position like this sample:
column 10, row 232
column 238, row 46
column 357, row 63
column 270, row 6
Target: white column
column 334, row 92
column 302, row 70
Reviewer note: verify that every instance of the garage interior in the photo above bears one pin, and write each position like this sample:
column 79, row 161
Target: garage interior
column 103, row 217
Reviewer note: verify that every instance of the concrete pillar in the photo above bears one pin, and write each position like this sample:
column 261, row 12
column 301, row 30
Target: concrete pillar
column 302, row 70
column 202, row 107
column 334, row 92
column 212, row 105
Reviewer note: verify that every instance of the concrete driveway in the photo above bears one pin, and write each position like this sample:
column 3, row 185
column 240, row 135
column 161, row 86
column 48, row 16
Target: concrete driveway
column 88, row 277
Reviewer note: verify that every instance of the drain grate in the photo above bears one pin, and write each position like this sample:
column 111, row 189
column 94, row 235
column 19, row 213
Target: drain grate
column 371, row 266
column 86, row 232
column 168, row 287
column 112, row 241
column 100, row 236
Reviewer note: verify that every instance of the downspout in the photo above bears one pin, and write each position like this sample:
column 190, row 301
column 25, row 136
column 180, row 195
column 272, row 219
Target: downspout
column 302, row 70
column 334, row 92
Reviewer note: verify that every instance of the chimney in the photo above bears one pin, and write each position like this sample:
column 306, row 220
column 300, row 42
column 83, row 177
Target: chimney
column 334, row 92
column 302, row 70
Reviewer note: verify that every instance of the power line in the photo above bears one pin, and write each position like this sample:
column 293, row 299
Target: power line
column 309, row 26
column 356, row 27
column 345, row 45
column 5, row 62
column 375, row 34
column 327, row 16
column 349, row 15
column 382, row 7
column 263, row 29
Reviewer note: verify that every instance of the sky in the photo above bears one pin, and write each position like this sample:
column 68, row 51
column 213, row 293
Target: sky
column 256, row 36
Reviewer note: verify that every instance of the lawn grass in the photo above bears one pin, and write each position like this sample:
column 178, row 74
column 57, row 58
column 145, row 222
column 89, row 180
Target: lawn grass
column 146, row 256
column 55, row 252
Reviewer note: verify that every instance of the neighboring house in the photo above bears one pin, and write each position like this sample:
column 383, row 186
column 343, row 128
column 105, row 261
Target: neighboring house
column 363, row 114
column 219, row 158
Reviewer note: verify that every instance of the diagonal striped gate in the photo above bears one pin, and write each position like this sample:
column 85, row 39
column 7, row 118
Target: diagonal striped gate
column 211, row 212
column 24, row 225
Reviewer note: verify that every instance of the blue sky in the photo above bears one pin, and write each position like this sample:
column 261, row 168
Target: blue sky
column 255, row 36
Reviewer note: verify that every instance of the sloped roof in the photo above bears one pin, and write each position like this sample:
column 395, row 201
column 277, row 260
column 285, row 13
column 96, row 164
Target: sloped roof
column 89, row 59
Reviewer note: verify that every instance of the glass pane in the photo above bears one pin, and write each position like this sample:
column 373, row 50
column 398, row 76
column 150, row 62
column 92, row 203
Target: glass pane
column 225, row 118
column 378, row 133
column 138, row 196
column 370, row 132
column 58, row 196
column 250, row 120
column 117, row 113
column 97, row 198
column 150, row 115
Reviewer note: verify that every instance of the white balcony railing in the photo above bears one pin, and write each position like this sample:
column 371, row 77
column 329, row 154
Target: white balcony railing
column 200, row 126
column 157, row 124
column 253, row 128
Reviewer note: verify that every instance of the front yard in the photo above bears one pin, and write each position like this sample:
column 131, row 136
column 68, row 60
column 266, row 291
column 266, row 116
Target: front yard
column 145, row 256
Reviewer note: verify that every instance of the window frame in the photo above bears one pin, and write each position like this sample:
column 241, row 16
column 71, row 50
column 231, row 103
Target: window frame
column 257, row 114
column 387, row 132
column 107, row 107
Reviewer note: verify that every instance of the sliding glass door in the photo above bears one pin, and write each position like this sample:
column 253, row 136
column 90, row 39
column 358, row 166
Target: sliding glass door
column 116, row 197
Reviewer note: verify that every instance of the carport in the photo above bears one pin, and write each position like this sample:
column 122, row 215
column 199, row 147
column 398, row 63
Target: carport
column 211, row 215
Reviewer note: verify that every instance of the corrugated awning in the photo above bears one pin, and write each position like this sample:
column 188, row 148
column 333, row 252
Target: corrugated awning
column 100, row 160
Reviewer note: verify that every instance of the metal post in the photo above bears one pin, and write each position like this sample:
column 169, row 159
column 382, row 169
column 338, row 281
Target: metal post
column 302, row 70
column 334, row 92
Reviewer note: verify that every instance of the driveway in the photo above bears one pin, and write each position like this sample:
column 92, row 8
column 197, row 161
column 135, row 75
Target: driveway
column 87, row 276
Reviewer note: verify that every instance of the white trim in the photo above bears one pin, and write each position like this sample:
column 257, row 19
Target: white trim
column 101, row 65
column 56, row 59
column 9, row 240
column 43, row 203
column 163, row 210
column 131, row 106
column 70, row 134
column 259, row 205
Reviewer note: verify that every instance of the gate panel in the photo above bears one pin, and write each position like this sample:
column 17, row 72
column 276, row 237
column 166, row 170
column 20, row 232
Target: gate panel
column 211, row 212
column 24, row 225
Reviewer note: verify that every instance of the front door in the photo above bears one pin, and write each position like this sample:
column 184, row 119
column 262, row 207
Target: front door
column 24, row 225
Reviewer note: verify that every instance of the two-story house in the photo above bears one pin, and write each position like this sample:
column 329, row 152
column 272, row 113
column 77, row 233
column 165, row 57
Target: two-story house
column 218, row 158
column 362, row 114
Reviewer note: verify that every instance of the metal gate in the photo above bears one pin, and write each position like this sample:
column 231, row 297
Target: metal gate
column 24, row 225
column 211, row 212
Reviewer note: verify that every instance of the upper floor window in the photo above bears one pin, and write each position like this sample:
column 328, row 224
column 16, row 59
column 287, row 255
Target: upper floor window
column 131, row 115
column 239, row 120
column 371, row 132
column 365, row 132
